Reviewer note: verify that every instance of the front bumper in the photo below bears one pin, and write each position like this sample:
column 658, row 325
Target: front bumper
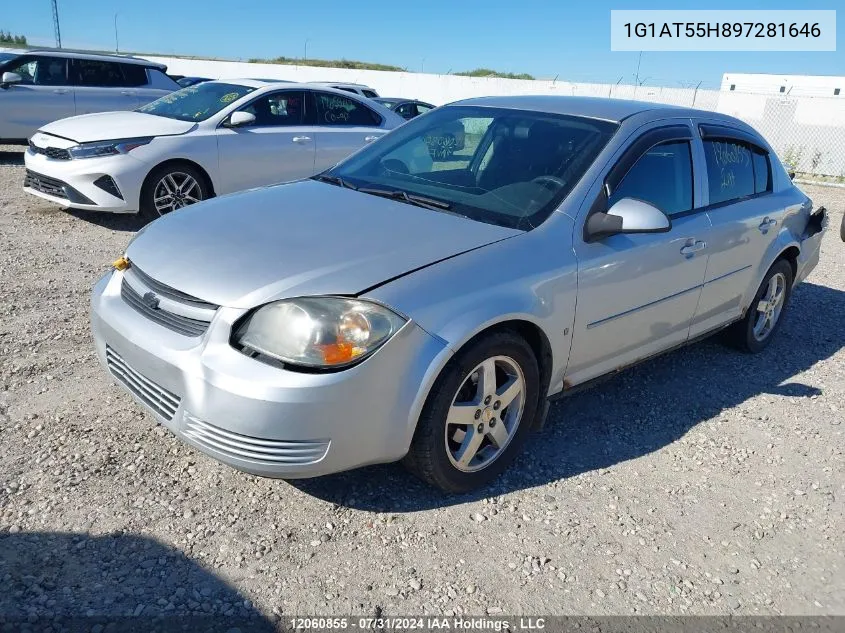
column 256, row 417
column 78, row 177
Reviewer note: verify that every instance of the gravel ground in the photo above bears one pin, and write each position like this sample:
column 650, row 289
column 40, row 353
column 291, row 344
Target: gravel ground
column 704, row 482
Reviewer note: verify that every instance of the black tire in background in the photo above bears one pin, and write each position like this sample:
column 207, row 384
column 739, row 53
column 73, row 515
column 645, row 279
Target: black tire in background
column 177, row 172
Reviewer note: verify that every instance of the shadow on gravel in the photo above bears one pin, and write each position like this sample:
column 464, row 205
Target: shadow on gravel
column 11, row 158
column 633, row 414
column 75, row 582
column 130, row 222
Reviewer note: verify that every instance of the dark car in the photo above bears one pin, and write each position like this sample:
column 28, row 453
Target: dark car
column 191, row 81
column 406, row 108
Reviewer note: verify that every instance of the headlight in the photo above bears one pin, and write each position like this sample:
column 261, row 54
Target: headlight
column 107, row 148
column 319, row 331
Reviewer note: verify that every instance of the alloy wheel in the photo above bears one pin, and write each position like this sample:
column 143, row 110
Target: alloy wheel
column 485, row 413
column 770, row 306
column 174, row 191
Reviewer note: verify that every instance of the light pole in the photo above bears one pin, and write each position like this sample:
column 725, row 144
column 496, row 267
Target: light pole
column 116, row 44
column 305, row 55
column 422, row 65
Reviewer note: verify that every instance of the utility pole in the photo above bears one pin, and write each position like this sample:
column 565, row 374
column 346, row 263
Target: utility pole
column 116, row 44
column 58, row 32
column 637, row 78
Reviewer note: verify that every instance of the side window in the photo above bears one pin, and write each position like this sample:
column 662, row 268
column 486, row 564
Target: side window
column 762, row 171
column 278, row 108
column 406, row 111
column 42, row 71
column 730, row 170
column 370, row 94
column 661, row 176
column 335, row 109
column 423, row 108
column 95, row 73
column 134, row 75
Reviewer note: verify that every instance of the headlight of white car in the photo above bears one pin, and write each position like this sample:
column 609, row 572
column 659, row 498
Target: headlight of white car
column 107, row 148
column 319, row 332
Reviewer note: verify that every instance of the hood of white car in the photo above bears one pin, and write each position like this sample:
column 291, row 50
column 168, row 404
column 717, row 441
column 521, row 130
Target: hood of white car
column 303, row 238
column 107, row 126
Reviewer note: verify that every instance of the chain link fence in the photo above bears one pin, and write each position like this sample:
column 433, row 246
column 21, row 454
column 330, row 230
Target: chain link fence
column 808, row 133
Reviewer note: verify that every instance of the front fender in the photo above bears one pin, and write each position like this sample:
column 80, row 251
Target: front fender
column 529, row 278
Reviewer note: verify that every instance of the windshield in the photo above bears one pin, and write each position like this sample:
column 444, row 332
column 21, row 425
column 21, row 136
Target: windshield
column 196, row 103
column 494, row 165
column 4, row 57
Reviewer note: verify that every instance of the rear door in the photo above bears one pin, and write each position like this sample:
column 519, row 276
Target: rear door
column 278, row 147
column 344, row 125
column 44, row 95
column 637, row 293
column 745, row 215
column 100, row 86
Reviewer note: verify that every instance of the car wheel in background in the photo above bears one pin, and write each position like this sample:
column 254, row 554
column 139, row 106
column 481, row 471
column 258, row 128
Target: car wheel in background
column 763, row 318
column 477, row 415
column 171, row 187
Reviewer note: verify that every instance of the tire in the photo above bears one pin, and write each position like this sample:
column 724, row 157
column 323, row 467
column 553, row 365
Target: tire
column 158, row 183
column 745, row 334
column 434, row 458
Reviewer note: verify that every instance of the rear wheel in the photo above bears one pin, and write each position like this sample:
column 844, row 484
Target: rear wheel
column 172, row 187
column 763, row 318
column 477, row 415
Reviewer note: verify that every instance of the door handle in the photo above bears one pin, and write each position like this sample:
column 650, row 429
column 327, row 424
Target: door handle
column 61, row 91
column 300, row 139
column 370, row 139
column 127, row 93
column 690, row 249
column 767, row 223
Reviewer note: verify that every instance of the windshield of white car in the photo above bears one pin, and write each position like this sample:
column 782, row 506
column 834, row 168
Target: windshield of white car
column 494, row 165
column 196, row 103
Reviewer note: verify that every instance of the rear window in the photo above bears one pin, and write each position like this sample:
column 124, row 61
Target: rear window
column 134, row 75
column 730, row 171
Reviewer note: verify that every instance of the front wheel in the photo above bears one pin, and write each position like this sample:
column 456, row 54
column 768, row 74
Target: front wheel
column 172, row 187
column 477, row 415
column 763, row 318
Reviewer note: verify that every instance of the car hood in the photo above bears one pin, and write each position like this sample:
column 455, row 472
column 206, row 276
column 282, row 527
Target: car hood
column 302, row 238
column 107, row 126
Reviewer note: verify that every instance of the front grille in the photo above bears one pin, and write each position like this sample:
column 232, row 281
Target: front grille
column 56, row 153
column 261, row 451
column 156, row 398
column 45, row 184
column 176, row 322
column 171, row 293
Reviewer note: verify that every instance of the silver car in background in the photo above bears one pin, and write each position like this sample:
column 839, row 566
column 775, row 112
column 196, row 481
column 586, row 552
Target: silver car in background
column 42, row 86
column 409, row 304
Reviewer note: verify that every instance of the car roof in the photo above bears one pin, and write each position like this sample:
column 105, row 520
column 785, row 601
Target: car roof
column 73, row 54
column 608, row 109
column 341, row 83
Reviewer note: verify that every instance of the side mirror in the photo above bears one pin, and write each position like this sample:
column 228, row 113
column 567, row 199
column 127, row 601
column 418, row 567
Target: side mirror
column 241, row 119
column 10, row 78
column 627, row 215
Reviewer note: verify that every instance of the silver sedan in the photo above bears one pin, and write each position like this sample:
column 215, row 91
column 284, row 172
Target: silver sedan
column 422, row 305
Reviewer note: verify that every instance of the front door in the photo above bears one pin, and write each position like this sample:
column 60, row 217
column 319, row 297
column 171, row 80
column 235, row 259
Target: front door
column 637, row 293
column 43, row 96
column 278, row 147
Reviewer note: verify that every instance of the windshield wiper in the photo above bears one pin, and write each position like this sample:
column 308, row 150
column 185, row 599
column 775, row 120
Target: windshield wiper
column 334, row 180
column 410, row 198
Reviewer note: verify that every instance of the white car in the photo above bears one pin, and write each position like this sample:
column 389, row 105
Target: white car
column 40, row 86
column 209, row 139
column 358, row 89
